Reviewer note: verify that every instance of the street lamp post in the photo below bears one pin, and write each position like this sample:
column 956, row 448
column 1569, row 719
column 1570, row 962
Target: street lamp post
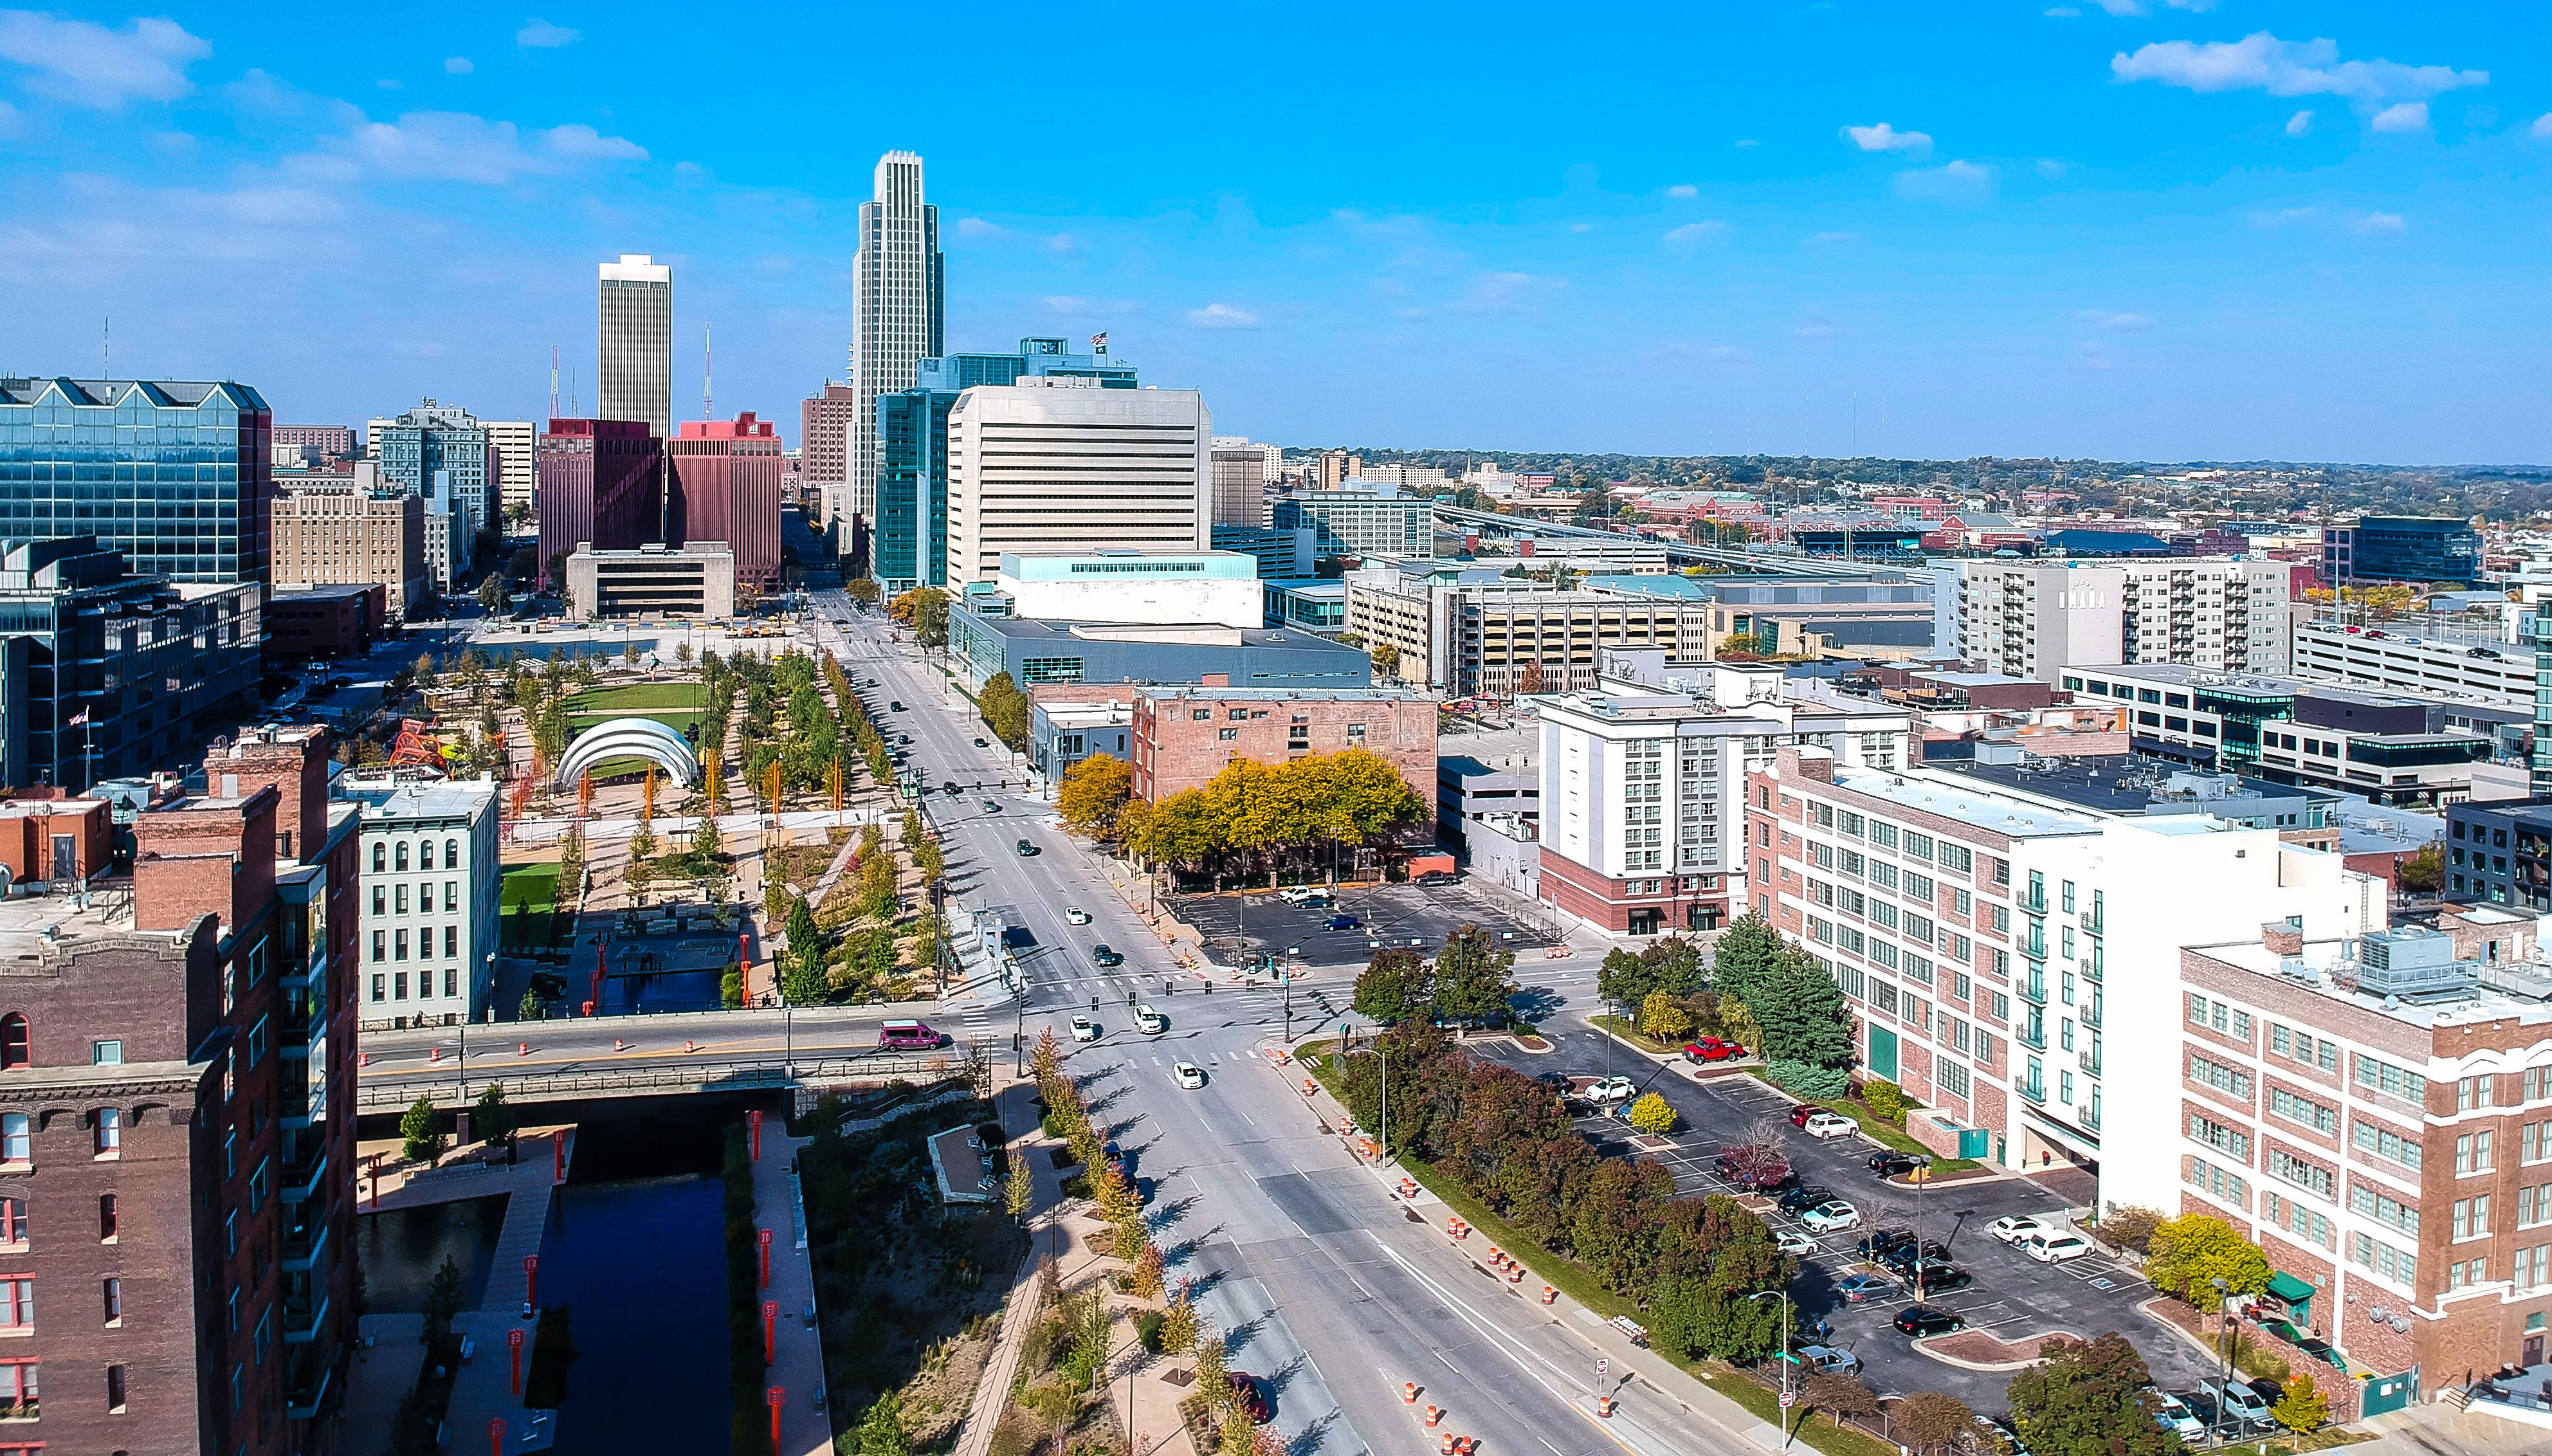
column 1292, row 954
column 1386, row 1083
column 1788, row 1364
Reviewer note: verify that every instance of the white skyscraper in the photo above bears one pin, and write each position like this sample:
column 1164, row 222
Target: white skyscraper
column 635, row 377
column 898, row 314
column 1059, row 464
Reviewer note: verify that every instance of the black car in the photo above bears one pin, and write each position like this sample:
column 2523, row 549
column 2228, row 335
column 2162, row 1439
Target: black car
column 893, row 707
column 1026, row 850
column 1555, row 1080
column 1938, row 1279
column 950, row 789
column 1803, row 1198
column 1102, row 955
column 1879, row 1240
column 1892, row 1164
column 1903, row 1257
column 1919, row 1320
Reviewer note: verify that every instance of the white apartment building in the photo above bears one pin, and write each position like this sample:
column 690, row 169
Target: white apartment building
column 1054, row 463
column 2382, row 656
column 1643, row 788
column 431, row 885
column 899, row 316
column 1978, row 933
column 512, row 441
column 2035, row 619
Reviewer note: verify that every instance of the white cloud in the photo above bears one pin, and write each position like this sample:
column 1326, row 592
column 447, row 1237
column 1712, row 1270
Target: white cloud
column 1814, row 325
column 457, row 147
column 2115, row 323
column 2121, row 7
column 1956, row 182
column 541, row 35
column 1063, row 243
column 1728, row 351
column 2095, row 358
column 1581, row 227
column 2260, row 62
column 2380, row 222
column 2050, row 167
column 2064, row 12
column 1885, row 138
column 2299, row 124
column 459, row 65
column 2402, row 116
column 975, row 227
column 84, row 63
column 1221, row 316
column 1748, row 144
column 1693, row 235
column 2541, row 131
column 1500, row 292
column 1683, row 192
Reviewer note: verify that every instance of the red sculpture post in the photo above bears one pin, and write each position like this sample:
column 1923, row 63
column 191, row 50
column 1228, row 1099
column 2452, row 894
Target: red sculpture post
column 754, row 1119
column 531, row 1281
column 770, row 1330
column 514, row 1347
column 496, row 1436
column 766, row 1258
column 777, row 1396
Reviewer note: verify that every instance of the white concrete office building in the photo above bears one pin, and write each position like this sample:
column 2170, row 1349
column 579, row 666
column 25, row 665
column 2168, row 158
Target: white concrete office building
column 512, row 441
column 898, row 315
column 1060, row 464
column 1161, row 587
column 2034, row 619
column 634, row 375
column 430, row 885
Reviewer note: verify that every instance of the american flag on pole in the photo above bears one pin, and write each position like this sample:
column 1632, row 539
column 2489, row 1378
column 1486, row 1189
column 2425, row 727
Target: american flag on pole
column 1098, row 344
column 79, row 717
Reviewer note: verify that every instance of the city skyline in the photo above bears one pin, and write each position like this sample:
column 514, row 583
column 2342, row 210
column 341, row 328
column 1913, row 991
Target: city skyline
column 2159, row 231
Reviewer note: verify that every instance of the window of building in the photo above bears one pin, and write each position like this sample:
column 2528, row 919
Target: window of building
column 2217, row 1135
column 2383, row 1210
column 2301, row 1174
column 113, row 1292
column 2221, row 1077
column 17, row 1303
column 1228, row 733
column 16, row 1138
column 381, row 949
column 17, row 1045
column 17, row 1389
column 106, row 1132
column 109, row 1221
column 381, row 856
column 106, row 1053
column 2472, row 1153
column 2310, row 1113
column 400, row 854
column 2391, row 1081
column 2471, row 1217
column 115, row 1398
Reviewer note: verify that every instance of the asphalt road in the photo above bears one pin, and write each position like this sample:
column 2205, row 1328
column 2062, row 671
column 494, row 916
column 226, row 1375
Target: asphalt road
column 1303, row 1256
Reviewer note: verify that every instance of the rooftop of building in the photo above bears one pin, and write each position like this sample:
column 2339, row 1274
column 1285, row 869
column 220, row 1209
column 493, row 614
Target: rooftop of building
column 1934, row 792
column 2338, row 970
column 1060, row 633
column 32, row 924
column 1286, row 694
column 388, row 803
column 347, row 592
column 108, row 393
column 1063, row 564
column 656, row 549
column 2126, row 786
column 1084, row 713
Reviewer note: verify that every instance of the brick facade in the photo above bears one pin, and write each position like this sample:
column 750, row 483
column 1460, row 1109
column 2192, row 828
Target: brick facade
column 1184, row 736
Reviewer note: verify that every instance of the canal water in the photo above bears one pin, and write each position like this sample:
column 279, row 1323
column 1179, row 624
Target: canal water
column 633, row 1250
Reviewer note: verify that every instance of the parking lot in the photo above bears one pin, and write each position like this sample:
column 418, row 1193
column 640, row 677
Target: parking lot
column 2011, row 1297
column 1415, row 916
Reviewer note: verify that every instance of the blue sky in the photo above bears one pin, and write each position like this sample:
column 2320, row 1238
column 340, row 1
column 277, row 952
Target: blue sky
column 2157, row 229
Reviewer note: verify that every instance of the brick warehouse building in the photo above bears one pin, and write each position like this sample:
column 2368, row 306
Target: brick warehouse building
column 1185, row 735
column 176, row 1124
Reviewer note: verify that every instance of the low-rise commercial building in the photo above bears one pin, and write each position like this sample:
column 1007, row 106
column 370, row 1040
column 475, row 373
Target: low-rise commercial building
column 351, row 528
column 323, row 623
column 1072, row 721
column 1034, row 651
column 1185, row 735
column 1641, row 787
column 1476, row 632
column 696, row 582
column 1354, row 522
column 2494, row 671
column 432, row 888
column 1159, row 588
column 1309, row 605
column 2417, row 550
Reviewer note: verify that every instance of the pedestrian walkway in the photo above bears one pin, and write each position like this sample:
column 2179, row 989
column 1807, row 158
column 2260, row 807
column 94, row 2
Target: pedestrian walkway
column 1019, row 1312
column 796, row 1338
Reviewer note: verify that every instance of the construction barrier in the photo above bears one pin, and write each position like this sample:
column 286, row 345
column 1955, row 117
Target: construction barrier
column 1434, row 1415
column 1497, row 1256
column 1309, row 1088
column 1409, row 1393
column 1450, row 1443
column 1409, row 1188
column 1550, row 1295
column 1604, row 1407
column 1515, row 1274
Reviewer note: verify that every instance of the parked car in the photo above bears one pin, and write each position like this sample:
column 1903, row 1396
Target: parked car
column 1791, row 1242
column 1083, row 1029
column 1856, row 1288
column 1026, row 850
column 2176, row 1416
column 1343, row 922
column 1830, row 1216
column 1800, row 1114
column 1828, row 1359
column 1824, row 1126
column 1711, row 1049
column 1151, row 1020
column 1923, row 1321
column 1555, row 1080
column 1892, row 1164
column 1433, row 877
column 1075, row 915
column 1189, row 1074
column 1879, row 1240
column 1904, row 1256
column 2019, row 1228
column 1609, row 1089
column 1102, row 955
column 2056, row 1248
column 1803, row 1198
column 1940, row 1279
column 1249, row 1397
column 2236, row 1404
column 1769, row 1179
column 980, row 743
column 893, row 707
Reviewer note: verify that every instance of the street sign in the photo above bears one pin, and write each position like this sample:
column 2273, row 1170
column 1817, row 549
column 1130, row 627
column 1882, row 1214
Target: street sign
column 1601, row 1366
column 1789, row 1399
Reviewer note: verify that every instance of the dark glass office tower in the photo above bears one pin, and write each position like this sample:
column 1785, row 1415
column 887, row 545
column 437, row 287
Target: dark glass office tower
column 177, row 476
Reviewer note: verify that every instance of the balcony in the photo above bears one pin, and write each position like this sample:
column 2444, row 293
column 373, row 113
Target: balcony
column 2089, row 1014
column 2034, row 990
column 2035, row 901
column 2091, row 1061
column 2032, row 1037
column 2092, row 918
column 2036, row 1092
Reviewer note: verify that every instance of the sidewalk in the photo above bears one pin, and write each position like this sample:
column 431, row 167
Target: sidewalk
column 1019, row 1311
column 798, row 1347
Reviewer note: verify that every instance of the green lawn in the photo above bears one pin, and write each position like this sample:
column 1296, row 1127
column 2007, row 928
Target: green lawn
column 528, row 906
column 674, row 704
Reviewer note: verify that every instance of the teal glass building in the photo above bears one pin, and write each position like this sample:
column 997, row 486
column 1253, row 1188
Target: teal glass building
column 178, row 477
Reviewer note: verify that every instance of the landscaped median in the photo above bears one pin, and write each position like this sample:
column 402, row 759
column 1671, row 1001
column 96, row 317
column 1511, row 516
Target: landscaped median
column 1714, row 1317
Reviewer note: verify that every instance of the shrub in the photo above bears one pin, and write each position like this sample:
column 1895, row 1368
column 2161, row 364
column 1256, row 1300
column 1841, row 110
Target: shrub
column 2302, row 1407
column 1816, row 1083
column 420, row 1133
column 1652, row 1114
column 2130, row 1227
column 1887, row 1101
column 1147, row 1328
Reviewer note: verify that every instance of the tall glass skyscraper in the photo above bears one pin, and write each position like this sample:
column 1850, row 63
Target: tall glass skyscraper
column 635, row 374
column 899, row 318
column 179, row 477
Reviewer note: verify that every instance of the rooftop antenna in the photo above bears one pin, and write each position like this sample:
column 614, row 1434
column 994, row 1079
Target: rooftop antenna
column 553, row 414
column 106, row 348
column 575, row 406
column 706, row 360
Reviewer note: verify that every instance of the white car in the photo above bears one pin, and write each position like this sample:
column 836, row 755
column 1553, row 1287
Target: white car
column 1830, row 1216
column 1823, row 1126
column 1151, row 1020
column 2174, row 1415
column 1083, row 1029
column 1189, row 1074
column 2056, row 1248
column 1075, row 915
column 1791, row 1242
column 1609, row 1089
column 2017, row 1228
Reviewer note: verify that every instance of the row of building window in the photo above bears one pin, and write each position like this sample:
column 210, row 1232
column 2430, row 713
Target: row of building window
column 382, row 854
column 17, row 1143
column 391, row 945
column 384, row 899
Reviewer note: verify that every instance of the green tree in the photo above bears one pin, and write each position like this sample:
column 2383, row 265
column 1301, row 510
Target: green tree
column 1018, row 1193
column 706, row 845
column 1802, row 1013
column 1474, row 977
column 1386, row 659
column 442, row 1303
column 2190, row 1252
column 2089, row 1400
column 1652, row 1114
column 2303, row 1407
column 1663, row 1017
column 924, row 609
column 862, row 589
column 2421, row 872
column 882, row 1431
column 1672, row 964
column 492, row 1118
column 529, row 1008
column 492, row 593
column 420, row 1131
column 1005, row 710
column 1395, row 987
column 1745, row 953
column 1093, row 795
column 1837, row 1394
column 1928, row 1420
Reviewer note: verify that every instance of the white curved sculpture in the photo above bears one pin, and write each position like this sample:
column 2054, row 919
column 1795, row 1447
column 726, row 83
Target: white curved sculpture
column 643, row 736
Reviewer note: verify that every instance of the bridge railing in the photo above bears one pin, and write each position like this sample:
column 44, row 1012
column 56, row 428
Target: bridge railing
column 705, row 1075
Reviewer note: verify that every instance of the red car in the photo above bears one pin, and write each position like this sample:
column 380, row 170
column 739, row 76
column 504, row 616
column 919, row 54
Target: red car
column 1800, row 1114
column 1711, row 1049
column 1251, row 1395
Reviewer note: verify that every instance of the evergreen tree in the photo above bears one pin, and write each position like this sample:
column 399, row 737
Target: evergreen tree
column 1802, row 1013
column 1746, row 952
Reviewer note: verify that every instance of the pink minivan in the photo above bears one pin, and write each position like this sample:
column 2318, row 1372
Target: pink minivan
column 908, row 1036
